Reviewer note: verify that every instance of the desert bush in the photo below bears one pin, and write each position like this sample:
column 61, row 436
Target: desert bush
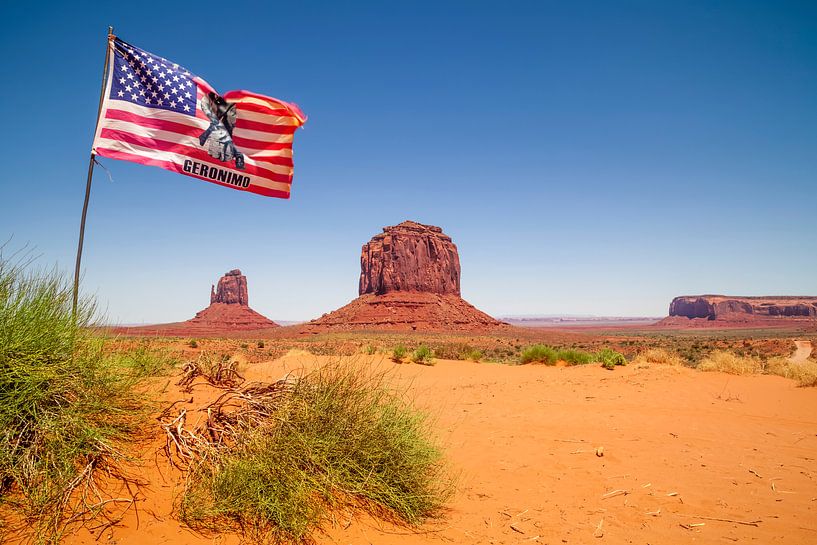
column 66, row 404
column 574, row 357
column 193, row 343
column 244, row 346
column 261, row 344
column 473, row 355
column 339, row 438
column 805, row 373
column 538, row 353
column 423, row 355
column 398, row 353
column 609, row 358
column 369, row 350
column 658, row 356
column 727, row 362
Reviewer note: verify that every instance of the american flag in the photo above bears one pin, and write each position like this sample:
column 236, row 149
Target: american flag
column 157, row 113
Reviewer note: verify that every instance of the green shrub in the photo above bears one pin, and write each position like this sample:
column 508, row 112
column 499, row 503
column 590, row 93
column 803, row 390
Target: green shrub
column 574, row 357
column 609, row 358
column 369, row 350
column 423, row 355
column 261, row 344
column 341, row 438
column 193, row 343
column 398, row 353
column 539, row 353
column 66, row 404
column 473, row 355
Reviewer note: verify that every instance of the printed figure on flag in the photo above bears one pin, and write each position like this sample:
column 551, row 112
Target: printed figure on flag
column 157, row 113
column 218, row 138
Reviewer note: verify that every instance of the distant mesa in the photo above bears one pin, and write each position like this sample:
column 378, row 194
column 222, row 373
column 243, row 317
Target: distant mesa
column 724, row 309
column 228, row 311
column 409, row 280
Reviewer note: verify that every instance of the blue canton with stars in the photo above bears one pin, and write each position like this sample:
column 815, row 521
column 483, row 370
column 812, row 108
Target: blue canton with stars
column 149, row 80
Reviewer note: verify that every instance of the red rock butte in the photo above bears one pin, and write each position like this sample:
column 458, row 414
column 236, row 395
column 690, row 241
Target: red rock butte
column 229, row 311
column 409, row 280
column 714, row 309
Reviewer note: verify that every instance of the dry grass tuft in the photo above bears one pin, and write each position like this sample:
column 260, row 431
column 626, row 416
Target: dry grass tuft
column 727, row 362
column 805, row 373
column 658, row 356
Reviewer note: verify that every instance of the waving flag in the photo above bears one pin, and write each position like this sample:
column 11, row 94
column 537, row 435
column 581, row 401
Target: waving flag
column 157, row 113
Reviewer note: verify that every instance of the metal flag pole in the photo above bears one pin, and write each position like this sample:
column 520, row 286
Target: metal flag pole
column 90, row 174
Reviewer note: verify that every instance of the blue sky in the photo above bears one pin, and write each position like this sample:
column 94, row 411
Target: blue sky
column 586, row 157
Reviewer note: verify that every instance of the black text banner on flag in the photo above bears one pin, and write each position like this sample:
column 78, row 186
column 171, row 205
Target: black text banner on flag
column 155, row 112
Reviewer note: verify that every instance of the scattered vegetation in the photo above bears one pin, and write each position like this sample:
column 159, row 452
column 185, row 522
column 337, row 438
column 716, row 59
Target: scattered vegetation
column 423, row 355
column 67, row 405
column 299, row 450
column 728, row 362
column 609, row 358
column 398, row 353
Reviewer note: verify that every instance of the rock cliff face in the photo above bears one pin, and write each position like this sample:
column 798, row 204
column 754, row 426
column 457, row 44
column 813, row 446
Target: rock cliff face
column 725, row 308
column 409, row 280
column 232, row 289
column 410, row 257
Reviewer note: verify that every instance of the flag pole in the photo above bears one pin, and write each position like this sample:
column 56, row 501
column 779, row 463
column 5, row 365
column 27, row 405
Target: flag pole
column 90, row 175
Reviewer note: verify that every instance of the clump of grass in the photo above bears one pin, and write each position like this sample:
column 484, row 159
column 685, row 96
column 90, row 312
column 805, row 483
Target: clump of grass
column 339, row 438
column 66, row 405
column 805, row 373
column 609, row 358
column 574, row 357
column 539, row 353
column 727, row 362
column 423, row 355
column 398, row 353
column 659, row 356
column 369, row 350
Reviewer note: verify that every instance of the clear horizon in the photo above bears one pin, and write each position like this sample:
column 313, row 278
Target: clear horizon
column 586, row 159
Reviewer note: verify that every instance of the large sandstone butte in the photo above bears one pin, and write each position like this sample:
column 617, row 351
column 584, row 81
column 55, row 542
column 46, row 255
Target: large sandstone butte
column 409, row 280
column 228, row 311
column 723, row 308
column 232, row 289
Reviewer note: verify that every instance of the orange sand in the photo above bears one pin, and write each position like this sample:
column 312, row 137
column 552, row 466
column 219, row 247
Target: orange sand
column 683, row 444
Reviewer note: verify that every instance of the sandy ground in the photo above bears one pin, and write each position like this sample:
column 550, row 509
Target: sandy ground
column 802, row 352
column 680, row 449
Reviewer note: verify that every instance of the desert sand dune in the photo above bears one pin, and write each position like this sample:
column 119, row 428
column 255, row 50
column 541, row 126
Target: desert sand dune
column 684, row 453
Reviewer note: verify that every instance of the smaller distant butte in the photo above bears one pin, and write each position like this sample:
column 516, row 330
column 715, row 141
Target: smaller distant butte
column 229, row 311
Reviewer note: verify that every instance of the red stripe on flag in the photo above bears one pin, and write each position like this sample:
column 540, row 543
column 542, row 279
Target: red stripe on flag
column 263, row 127
column 153, row 123
column 169, row 165
column 194, row 153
